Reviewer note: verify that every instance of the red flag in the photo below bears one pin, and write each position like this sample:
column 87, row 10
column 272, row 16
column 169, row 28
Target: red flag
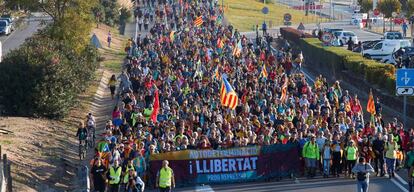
column 156, row 107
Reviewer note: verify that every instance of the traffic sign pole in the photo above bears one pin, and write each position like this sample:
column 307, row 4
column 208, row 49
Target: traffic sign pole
column 405, row 87
column 405, row 112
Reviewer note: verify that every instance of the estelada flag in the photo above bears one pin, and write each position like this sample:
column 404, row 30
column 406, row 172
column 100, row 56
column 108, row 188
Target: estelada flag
column 283, row 96
column 228, row 96
column 371, row 104
column 264, row 73
column 199, row 21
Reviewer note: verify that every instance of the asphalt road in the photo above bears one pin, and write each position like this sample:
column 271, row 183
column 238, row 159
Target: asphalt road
column 27, row 29
column 377, row 184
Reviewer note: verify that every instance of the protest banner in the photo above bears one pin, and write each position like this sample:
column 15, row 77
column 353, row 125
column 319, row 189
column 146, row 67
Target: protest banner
column 229, row 165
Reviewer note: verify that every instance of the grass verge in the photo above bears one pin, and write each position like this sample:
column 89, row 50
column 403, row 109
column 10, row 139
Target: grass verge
column 245, row 14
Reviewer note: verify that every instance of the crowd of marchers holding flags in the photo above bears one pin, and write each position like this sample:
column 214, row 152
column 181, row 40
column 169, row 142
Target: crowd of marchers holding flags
column 193, row 83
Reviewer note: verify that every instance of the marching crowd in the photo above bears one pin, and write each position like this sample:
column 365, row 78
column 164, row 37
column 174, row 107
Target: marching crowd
column 194, row 83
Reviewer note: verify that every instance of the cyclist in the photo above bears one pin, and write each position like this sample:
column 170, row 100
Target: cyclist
column 82, row 133
column 90, row 122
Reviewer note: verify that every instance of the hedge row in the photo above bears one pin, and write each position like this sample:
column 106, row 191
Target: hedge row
column 44, row 76
column 292, row 34
column 337, row 59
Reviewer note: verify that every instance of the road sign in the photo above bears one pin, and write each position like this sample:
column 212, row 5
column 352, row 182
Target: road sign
column 405, row 78
column 327, row 38
column 287, row 23
column 287, row 17
column 376, row 12
column 355, row 21
column 405, row 91
column 265, row 10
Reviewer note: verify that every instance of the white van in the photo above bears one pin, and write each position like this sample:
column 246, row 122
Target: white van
column 385, row 48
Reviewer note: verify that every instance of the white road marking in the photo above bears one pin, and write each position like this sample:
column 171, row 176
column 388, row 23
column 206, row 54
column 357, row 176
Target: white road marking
column 399, row 185
column 204, row 188
column 401, row 179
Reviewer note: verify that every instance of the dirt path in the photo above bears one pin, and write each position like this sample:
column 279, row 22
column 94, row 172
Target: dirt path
column 101, row 108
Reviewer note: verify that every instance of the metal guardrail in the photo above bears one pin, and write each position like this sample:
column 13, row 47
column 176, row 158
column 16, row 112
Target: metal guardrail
column 84, row 179
column 6, row 181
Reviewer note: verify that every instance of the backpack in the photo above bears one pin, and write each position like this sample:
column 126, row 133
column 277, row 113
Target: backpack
column 82, row 135
column 361, row 176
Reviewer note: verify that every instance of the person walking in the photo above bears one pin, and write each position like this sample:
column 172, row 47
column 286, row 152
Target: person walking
column 391, row 148
column 112, row 85
column 362, row 170
column 165, row 178
column 336, row 156
column 109, row 39
column 350, row 44
column 146, row 23
column 114, row 176
column 378, row 148
column 311, row 154
column 327, row 157
column 404, row 27
column 98, row 176
column 264, row 28
column 140, row 23
column 351, row 157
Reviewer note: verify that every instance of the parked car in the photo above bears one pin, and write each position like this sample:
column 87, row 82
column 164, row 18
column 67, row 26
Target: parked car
column 332, row 30
column 393, row 35
column 9, row 22
column 406, row 57
column 365, row 45
column 385, row 48
column 343, row 37
column 10, row 19
column 5, row 27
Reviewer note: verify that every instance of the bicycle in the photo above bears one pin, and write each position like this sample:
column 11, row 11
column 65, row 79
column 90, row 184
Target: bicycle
column 91, row 137
column 82, row 149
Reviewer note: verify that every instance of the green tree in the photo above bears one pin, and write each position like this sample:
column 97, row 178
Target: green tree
column 410, row 7
column 388, row 6
column 366, row 6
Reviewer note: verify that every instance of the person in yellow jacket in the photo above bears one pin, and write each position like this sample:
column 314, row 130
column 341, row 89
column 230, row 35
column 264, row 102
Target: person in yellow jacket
column 351, row 156
column 114, row 176
column 391, row 148
column 165, row 178
column 311, row 154
column 125, row 173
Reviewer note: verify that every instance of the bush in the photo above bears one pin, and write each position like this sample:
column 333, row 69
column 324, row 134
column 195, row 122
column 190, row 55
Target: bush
column 43, row 77
column 292, row 34
column 336, row 59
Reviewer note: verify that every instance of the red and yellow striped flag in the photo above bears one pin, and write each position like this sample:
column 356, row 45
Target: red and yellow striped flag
column 264, row 73
column 283, row 96
column 228, row 96
column 199, row 21
column 371, row 104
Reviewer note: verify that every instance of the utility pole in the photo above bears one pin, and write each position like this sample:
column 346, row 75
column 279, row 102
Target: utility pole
column 222, row 6
column 330, row 9
column 307, row 8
